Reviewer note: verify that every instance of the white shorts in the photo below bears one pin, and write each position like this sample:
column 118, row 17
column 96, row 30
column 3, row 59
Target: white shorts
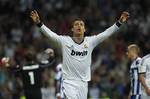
column 75, row 89
column 144, row 95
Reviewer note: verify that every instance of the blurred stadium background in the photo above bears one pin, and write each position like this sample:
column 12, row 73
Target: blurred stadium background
column 110, row 68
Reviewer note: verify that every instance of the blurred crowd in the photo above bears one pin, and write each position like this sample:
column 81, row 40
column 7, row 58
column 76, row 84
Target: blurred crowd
column 110, row 67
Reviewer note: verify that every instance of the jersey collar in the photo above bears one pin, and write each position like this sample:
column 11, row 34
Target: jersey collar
column 76, row 42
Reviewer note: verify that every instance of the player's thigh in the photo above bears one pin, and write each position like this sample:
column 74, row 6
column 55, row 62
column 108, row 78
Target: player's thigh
column 27, row 94
column 69, row 91
column 76, row 90
column 36, row 94
column 33, row 94
column 82, row 92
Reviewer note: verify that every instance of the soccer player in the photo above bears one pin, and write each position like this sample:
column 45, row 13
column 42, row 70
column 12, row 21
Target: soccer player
column 144, row 76
column 58, row 78
column 133, row 54
column 31, row 74
column 77, row 52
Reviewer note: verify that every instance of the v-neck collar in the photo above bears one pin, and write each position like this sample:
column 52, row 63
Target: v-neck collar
column 76, row 42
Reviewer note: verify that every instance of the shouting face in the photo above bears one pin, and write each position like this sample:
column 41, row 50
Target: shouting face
column 78, row 27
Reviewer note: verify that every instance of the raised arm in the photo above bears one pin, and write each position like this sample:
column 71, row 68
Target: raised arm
column 8, row 63
column 36, row 19
column 108, row 32
column 48, row 58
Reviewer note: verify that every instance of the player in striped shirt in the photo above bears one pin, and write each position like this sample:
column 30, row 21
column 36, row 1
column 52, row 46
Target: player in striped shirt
column 144, row 75
column 133, row 54
column 77, row 51
column 59, row 83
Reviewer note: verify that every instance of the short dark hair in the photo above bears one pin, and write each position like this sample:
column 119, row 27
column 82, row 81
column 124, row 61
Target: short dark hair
column 75, row 19
column 30, row 56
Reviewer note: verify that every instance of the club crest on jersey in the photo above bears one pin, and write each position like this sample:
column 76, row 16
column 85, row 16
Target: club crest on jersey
column 78, row 53
column 85, row 46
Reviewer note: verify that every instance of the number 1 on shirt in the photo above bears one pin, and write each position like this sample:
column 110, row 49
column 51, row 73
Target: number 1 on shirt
column 31, row 75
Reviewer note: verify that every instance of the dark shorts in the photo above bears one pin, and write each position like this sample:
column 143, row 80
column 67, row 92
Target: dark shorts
column 33, row 94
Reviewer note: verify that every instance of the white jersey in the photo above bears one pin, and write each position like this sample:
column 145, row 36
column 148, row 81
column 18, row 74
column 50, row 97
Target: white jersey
column 135, row 83
column 145, row 68
column 77, row 57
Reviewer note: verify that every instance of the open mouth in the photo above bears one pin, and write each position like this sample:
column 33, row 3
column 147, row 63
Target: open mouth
column 79, row 30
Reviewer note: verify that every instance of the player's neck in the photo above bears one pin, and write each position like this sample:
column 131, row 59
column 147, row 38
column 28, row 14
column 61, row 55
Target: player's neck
column 78, row 38
column 30, row 63
column 134, row 57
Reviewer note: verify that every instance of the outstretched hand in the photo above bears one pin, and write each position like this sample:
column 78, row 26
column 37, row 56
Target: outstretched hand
column 50, row 52
column 5, row 61
column 35, row 17
column 124, row 17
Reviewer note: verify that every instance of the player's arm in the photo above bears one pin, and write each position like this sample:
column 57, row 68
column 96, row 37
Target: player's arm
column 108, row 32
column 142, row 71
column 8, row 63
column 5, row 61
column 49, row 58
column 47, row 63
column 36, row 19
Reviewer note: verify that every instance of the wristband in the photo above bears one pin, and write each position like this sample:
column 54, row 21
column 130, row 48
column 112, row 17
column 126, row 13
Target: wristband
column 39, row 24
column 118, row 23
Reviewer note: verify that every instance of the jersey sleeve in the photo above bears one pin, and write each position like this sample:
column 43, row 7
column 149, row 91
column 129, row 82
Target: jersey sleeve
column 53, row 36
column 104, row 35
column 46, row 63
column 142, row 67
column 16, row 69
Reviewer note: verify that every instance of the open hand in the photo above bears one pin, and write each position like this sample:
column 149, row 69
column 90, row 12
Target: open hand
column 35, row 17
column 5, row 61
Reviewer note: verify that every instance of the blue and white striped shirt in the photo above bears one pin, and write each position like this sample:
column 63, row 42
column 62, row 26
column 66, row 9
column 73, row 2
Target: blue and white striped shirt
column 135, row 83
